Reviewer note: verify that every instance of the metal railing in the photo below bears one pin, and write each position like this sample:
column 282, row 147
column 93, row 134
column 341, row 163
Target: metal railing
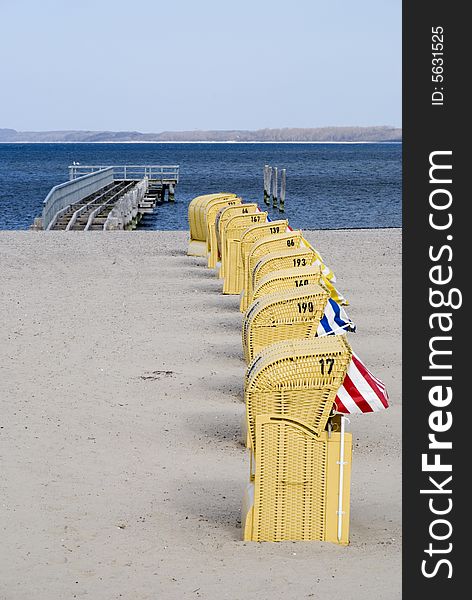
column 65, row 194
column 161, row 173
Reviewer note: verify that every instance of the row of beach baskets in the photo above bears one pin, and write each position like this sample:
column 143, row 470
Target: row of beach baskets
column 300, row 370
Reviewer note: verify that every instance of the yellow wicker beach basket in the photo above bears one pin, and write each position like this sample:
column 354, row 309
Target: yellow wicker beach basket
column 197, row 244
column 275, row 243
column 287, row 279
column 296, row 378
column 211, row 208
column 283, row 315
column 210, row 219
column 256, row 233
column 222, row 218
column 297, row 258
column 230, row 246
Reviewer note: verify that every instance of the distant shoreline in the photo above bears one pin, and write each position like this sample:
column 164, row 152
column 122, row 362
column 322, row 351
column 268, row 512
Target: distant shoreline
column 287, row 135
column 201, row 142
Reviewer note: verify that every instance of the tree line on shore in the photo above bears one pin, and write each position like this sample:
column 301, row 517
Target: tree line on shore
column 287, row 134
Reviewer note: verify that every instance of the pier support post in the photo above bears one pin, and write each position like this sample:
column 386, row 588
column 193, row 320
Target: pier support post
column 282, row 190
column 37, row 224
column 171, row 196
column 274, row 187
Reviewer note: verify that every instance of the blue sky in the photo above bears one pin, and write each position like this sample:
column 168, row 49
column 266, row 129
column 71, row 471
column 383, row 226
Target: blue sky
column 149, row 65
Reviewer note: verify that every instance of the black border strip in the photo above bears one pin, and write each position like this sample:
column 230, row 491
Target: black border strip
column 435, row 125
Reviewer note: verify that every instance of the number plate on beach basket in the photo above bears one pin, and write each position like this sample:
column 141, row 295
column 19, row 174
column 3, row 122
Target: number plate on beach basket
column 297, row 485
column 223, row 216
column 230, row 246
column 274, row 243
column 287, row 279
column 197, row 245
column 284, row 315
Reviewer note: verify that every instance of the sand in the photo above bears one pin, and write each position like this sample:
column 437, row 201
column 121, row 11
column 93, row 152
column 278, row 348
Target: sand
column 122, row 470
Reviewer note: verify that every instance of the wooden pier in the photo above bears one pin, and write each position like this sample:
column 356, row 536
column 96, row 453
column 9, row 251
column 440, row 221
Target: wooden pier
column 100, row 198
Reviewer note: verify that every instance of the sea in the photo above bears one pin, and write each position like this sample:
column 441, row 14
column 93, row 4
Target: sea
column 329, row 186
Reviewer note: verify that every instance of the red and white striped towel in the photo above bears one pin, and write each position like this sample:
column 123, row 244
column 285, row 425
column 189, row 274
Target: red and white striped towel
column 361, row 392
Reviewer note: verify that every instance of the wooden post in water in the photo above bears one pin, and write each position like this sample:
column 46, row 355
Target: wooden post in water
column 266, row 184
column 269, row 183
column 282, row 190
column 171, row 196
column 274, row 187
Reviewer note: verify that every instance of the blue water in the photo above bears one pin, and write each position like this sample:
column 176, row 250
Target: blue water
column 329, row 186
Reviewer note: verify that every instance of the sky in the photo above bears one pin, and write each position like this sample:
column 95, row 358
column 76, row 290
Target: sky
column 151, row 66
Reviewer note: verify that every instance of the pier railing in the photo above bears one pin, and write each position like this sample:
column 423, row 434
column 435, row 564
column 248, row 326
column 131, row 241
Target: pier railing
column 160, row 173
column 73, row 191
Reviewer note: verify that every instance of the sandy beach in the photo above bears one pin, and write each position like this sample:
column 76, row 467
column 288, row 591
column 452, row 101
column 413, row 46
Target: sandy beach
column 121, row 388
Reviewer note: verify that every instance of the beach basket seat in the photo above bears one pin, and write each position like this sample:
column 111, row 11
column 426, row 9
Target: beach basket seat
column 297, row 483
column 197, row 245
column 288, row 314
column 230, row 248
column 222, row 217
column 296, row 258
column 209, row 218
column 275, row 243
column 297, row 378
column 287, row 279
